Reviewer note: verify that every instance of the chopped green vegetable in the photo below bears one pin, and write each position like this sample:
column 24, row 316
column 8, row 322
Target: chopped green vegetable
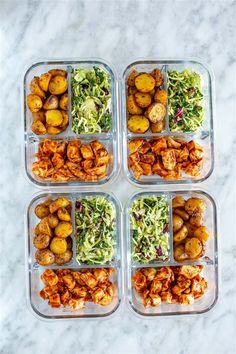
column 149, row 229
column 185, row 101
column 95, row 230
column 91, row 100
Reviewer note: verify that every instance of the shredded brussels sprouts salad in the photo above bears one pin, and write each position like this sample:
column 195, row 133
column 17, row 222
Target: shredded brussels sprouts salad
column 149, row 229
column 185, row 101
column 95, row 230
column 91, row 100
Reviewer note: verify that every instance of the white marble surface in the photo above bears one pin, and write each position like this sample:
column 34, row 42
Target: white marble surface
column 118, row 31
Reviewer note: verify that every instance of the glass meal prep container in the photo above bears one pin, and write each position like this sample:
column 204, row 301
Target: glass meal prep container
column 34, row 270
column 209, row 260
column 108, row 138
column 204, row 136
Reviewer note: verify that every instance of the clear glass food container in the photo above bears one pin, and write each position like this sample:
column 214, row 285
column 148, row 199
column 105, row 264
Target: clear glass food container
column 204, row 137
column 108, row 139
column 39, row 306
column 209, row 260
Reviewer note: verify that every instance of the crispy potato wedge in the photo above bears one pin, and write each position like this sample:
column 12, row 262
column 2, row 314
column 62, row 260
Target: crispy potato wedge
column 157, row 127
column 138, row 124
column 58, row 85
column 51, row 102
column 155, row 112
column 38, row 127
column 161, row 97
column 36, row 89
column 132, row 106
column 178, row 202
column 144, row 82
column 64, row 102
column 54, row 117
column 131, row 78
column 58, row 245
column 143, row 100
column 44, row 80
column 43, row 227
column 34, row 103
column 63, row 214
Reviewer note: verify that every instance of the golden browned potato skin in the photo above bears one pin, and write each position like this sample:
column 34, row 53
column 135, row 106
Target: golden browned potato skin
column 157, row 127
column 181, row 234
column 178, row 202
column 51, row 102
column 53, row 130
column 38, row 128
column 195, row 205
column 143, row 100
column 201, row 233
column 52, row 221
column 58, row 85
column 63, row 229
column 56, row 72
column 54, row 117
column 40, row 115
column 177, row 222
column 144, row 82
column 161, row 97
column 131, row 78
column 61, row 202
column 41, row 241
column 58, row 245
column 36, row 89
column 44, row 80
column 138, row 124
column 41, row 211
column 132, row 106
column 44, row 257
column 64, row 257
column 63, row 214
column 179, row 253
column 34, row 103
column 64, row 102
column 193, row 247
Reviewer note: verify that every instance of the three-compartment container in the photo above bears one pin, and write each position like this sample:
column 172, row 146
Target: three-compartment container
column 209, row 260
column 34, row 270
column 108, row 138
column 204, row 136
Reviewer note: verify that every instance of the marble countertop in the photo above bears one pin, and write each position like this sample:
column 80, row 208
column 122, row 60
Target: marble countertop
column 118, row 31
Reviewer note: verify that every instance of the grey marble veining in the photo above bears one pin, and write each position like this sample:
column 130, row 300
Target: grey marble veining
column 118, row 31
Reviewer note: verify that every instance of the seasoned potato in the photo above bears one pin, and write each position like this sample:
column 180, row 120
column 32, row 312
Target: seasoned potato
column 44, row 257
column 64, row 229
column 53, row 130
column 56, row 72
column 51, row 102
column 177, row 222
column 35, row 88
column 161, row 96
column 52, row 221
column 131, row 78
column 69, row 243
column 43, row 227
column 54, row 117
column 195, row 205
column 63, row 214
column 132, row 90
column 179, row 253
column 143, row 99
column 44, row 80
column 41, row 241
column 38, row 128
column 132, row 106
column 34, row 103
column 138, row 124
column 40, row 115
column 61, row 202
column 181, row 234
column 58, row 245
column 191, row 228
column 193, row 247
column 182, row 213
column 155, row 112
column 64, row 257
column 178, row 202
column 41, row 211
column 152, row 93
column 196, row 220
column 157, row 127
column 144, row 82
column 65, row 121
column 201, row 233
column 58, row 85
column 64, row 102
column 159, row 79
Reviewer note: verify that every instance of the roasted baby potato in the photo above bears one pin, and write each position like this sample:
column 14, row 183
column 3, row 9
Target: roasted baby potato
column 40, row 115
column 196, row 220
column 64, row 102
column 144, row 82
column 41, row 241
column 44, row 80
column 61, row 202
column 155, row 112
column 132, row 90
column 191, row 228
column 53, row 130
column 179, row 253
column 34, row 103
column 195, row 205
column 52, row 221
column 131, row 78
column 63, row 257
column 36, row 89
column 138, row 124
column 181, row 234
column 161, row 96
column 43, row 227
column 63, row 214
column 51, row 102
column 69, row 243
column 159, row 79
column 56, row 72
column 41, row 211
column 182, row 213
column 65, row 121
column 132, row 106
column 63, row 229
column 143, row 99
column 44, row 257
column 157, row 127
column 193, row 247
column 177, row 222
column 54, row 117
column 58, row 85
column 201, row 233
column 58, row 245
column 38, row 127
column 178, row 202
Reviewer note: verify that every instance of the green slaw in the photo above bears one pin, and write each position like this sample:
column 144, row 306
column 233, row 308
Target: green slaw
column 91, row 100
column 149, row 217
column 95, row 230
column 185, row 101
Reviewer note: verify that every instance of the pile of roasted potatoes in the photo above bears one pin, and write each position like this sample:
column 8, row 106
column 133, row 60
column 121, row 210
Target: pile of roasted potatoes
column 48, row 102
column 52, row 234
column 146, row 102
column 189, row 233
